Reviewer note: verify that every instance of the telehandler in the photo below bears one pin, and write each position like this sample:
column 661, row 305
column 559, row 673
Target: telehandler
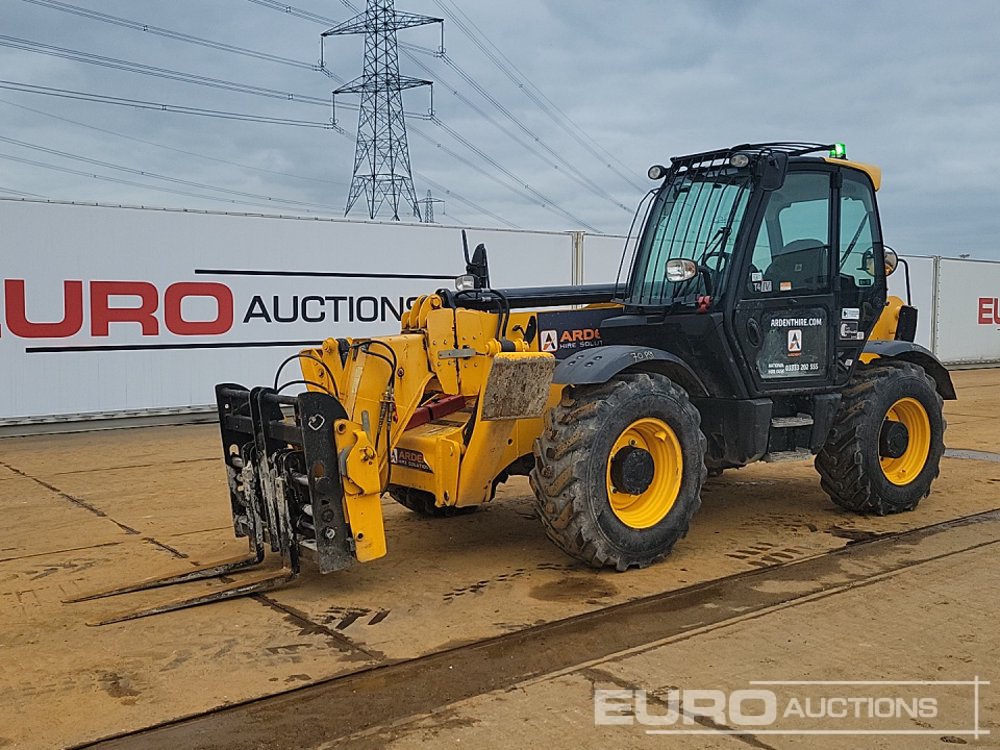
column 750, row 321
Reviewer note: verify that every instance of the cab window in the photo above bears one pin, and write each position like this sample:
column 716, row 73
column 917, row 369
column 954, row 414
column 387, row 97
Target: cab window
column 860, row 242
column 791, row 253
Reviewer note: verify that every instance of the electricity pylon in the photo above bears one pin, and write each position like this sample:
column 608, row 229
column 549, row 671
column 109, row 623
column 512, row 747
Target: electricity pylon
column 382, row 155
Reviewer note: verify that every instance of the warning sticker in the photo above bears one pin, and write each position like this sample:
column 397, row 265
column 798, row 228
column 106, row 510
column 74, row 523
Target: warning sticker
column 851, row 313
column 849, row 331
column 794, row 346
column 550, row 341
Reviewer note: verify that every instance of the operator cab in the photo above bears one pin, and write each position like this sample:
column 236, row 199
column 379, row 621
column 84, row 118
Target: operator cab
column 768, row 256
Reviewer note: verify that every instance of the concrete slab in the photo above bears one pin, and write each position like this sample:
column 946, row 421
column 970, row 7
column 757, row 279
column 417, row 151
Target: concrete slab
column 928, row 622
column 38, row 520
column 975, row 416
column 64, row 683
column 170, row 499
column 104, row 449
column 451, row 581
column 445, row 582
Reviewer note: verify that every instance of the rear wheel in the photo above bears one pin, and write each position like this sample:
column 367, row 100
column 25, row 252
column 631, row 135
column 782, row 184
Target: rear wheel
column 422, row 502
column 884, row 450
column 618, row 470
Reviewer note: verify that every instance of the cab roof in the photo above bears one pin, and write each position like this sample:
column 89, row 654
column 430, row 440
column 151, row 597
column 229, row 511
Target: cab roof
column 797, row 152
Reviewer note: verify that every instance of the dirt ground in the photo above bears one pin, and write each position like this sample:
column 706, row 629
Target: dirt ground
column 89, row 510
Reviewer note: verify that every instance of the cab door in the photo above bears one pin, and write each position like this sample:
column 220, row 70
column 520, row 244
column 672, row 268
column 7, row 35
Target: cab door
column 784, row 317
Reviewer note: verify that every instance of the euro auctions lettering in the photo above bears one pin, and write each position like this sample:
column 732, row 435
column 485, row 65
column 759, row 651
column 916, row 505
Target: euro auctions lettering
column 802, row 707
column 100, row 308
column 989, row 311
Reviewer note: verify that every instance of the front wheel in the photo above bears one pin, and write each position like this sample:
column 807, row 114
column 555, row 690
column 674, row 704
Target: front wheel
column 884, row 450
column 619, row 469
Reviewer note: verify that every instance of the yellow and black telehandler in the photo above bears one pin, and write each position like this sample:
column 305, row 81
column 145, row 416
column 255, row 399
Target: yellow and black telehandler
column 751, row 321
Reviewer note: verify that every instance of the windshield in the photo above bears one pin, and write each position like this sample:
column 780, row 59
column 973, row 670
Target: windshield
column 696, row 215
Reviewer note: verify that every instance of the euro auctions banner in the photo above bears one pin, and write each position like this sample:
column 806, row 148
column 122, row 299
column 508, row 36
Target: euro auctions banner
column 968, row 315
column 107, row 309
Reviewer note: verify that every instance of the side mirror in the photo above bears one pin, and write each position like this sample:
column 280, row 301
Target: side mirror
column 891, row 260
column 890, row 257
column 681, row 269
column 770, row 170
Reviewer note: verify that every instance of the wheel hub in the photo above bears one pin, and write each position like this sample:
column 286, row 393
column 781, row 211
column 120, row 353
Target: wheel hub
column 632, row 470
column 893, row 440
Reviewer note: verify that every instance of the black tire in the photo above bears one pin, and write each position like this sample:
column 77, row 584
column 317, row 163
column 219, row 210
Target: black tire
column 571, row 464
column 849, row 464
column 422, row 502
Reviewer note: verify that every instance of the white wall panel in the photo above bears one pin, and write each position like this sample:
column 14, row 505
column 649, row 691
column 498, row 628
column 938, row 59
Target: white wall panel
column 968, row 314
column 45, row 245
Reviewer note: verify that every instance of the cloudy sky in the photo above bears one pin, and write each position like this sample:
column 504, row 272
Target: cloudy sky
column 910, row 85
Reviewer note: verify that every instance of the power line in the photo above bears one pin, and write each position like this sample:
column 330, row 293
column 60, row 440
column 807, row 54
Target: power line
column 28, row 88
column 169, row 34
column 132, row 183
column 155, row 176
column 567, row 166
column 12, row 191
column 523, row 188
column 152, row 70
column 463, row 200
column 298, row 12
column 128, row 66
column 172, row 148
column 441, row 188
column 173, row 75
column 529, row 89
column 543, row 200
column 571, row 169
column 456, row 196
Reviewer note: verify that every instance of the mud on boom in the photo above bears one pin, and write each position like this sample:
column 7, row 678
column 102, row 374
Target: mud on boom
column 752, row 323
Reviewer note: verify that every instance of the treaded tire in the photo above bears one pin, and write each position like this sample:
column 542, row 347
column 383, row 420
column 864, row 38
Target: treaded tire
column 848, row 464
column 571, row 458
column 422, row 502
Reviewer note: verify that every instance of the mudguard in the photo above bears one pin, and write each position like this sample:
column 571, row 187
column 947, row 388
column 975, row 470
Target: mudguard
column 918, row 355
column 601, row 363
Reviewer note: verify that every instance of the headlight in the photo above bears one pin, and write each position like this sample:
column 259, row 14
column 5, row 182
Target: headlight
column 681, row 269
column 465, row 282
column 739, row 160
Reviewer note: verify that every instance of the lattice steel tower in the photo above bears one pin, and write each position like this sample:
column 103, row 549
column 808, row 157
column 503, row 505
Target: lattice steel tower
column 382, row 155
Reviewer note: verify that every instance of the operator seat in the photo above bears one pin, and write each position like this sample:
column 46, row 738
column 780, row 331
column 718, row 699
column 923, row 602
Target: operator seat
column 803, row 263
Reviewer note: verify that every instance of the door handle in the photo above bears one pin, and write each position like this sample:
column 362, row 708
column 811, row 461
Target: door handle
column 753, row 332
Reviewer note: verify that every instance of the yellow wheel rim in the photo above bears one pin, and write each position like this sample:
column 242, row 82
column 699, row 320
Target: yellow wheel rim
column 649, row 507
column 912, row 414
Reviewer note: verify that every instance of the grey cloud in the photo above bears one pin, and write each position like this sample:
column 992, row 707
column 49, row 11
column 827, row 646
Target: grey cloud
column 908, row 85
